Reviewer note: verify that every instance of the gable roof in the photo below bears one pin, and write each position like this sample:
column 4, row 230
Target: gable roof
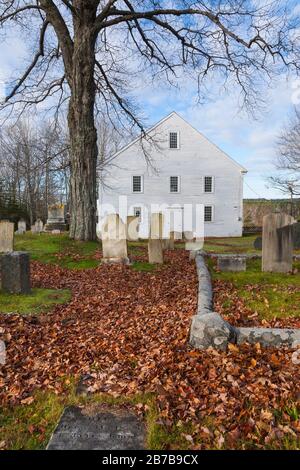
column 174, row 113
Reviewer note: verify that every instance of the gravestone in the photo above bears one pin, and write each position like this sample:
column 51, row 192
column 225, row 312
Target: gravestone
column 193, row 246
column 296, row 236
column 33, row 228
column 114, row 243
column 102, row 429
column 6, row 237
column 258, row 243
column 132, row 228
column 56, row 218
column 21, row 227
column 188, row 236
column 155, row 245
column 39, row 226
column 231, row 263
column 15, row 272
column 277, row 246
column 169, row 243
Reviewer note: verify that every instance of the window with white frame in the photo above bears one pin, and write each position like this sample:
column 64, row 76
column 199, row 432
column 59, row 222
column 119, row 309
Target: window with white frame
column 137, row 184
column 208, row 184
column 138, row 212
column 174, row 184
column 208, row 213
column 173, row 140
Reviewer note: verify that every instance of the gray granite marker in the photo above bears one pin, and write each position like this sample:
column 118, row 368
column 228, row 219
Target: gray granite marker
column 80, row 429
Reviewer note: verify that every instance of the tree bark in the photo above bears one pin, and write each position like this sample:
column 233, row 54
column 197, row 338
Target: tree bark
column 83, row 135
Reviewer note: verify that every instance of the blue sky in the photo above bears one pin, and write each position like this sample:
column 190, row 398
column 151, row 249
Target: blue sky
column 252, row 141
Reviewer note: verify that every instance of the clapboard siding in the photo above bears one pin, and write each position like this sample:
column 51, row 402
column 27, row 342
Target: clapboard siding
column 197, row 157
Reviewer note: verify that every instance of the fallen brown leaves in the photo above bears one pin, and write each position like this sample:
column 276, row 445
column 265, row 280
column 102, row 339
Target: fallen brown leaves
column 128, row 330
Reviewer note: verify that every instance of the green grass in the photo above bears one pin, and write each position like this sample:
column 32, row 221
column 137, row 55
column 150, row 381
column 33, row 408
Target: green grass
column 143, row 266
column 59, row 249
column 40, row 300
column 271, row 295
column 29, row 426
column 231, row 244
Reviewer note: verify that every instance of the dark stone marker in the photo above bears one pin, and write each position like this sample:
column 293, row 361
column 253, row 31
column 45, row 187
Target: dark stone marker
column 258, row 243
column 296, row 236
column 15, row 272
column 79, row 429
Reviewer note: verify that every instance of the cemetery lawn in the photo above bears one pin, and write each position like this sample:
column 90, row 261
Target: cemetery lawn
column 125, row 329
column 254, row 297
column 231, row 245
column 40, row 300
column 59, row 249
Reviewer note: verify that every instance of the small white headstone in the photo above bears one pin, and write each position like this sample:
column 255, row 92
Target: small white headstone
column 39, row 226
column 21, row 227
column 114, row 244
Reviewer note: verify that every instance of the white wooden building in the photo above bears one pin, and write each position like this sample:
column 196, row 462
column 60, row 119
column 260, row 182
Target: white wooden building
column 175, row 166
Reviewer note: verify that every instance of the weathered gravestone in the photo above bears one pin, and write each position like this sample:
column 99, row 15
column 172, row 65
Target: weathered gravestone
column 132, row 228
column 258, row 243
column 33, row 228
column 83, row 429
column 21, row 227
column 277, row 245
column 56, row 218
column 114, row 243
column 231, row 263
column 168, row 243
column 296, row 236
column 39, row 226
column 6, row 237
column 155, row 245
column 15, row 272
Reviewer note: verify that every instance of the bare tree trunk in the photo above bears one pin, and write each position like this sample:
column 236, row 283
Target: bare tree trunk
column 83, row 137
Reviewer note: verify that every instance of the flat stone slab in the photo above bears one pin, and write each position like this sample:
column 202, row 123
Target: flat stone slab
column 98, row 428
column 229, row 263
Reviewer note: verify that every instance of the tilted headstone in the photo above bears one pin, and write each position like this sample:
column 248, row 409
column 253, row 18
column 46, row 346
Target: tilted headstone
column 132, row 228
column 15, row 272
column 21, row 227
column 6, row 237
column 114, row 243
column 155, row 245
column 277, row 244
column 56, row 218
column 39, row 226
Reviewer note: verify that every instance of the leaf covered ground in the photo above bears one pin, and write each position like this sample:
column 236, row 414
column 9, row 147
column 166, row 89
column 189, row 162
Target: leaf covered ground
column 126, row 330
